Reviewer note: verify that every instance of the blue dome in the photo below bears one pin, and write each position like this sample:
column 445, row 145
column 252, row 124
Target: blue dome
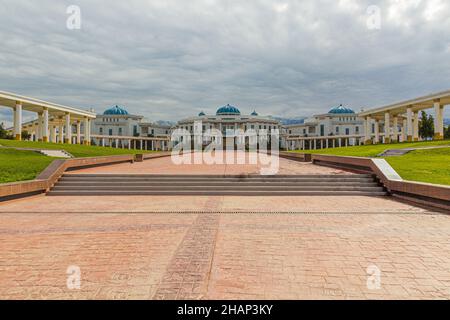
column 201, row 114
column 116, row 110
column 254, row 113
column 341, row 109
column 228, row 110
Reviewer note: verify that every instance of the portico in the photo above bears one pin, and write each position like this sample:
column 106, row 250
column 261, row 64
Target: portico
column 54, row 121
column 401, row 120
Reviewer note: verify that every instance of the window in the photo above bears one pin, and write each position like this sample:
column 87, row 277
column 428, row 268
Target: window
column 100, row 130
column 357, row 129
column 135, row 130
column 337, row 129
column 120, row 131
column 347, row 131
column 110, row 132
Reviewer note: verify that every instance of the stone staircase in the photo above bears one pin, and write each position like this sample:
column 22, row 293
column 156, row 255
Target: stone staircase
column 56, row 153
column 237, row 185
column 395, row 152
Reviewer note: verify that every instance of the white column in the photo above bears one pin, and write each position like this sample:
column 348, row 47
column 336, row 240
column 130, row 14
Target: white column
column 45, row 131
column 18, row 121
column 86, row 131
column 61, row 132
column 89, row 130
column 53, row 134
column 142, row 145
column 387, row 127
column 416, row 126
column 78, row 132
column 39, row 127
column 395, row 130
column 117, row 143
column 129, row 144
column 152, row 146
column 409, row 134
column 68, row 138
column 438, row 120
column 368, row 131
column 377, row 131
column 404, row 136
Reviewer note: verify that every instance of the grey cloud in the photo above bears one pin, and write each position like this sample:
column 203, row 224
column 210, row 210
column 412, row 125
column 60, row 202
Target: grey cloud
column 171, row 59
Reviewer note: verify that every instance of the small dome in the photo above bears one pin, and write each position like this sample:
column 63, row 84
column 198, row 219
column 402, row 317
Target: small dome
column 228, row 110
column 116, row 110
column 341, row 109
column 254, row 113
column 201, row 114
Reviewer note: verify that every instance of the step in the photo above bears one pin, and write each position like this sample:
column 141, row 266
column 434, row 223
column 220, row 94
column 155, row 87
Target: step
column 205, row 176
column 117, row 179
column 223, row 188
column 219, row 183
column 218, row 193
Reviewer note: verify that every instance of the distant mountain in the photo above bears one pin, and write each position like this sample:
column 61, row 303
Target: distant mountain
column 289, row 121
column 166, row 123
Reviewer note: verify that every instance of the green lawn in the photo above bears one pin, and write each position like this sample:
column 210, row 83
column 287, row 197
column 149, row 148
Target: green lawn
column 432, row 165
column 17, row 165
column 76, row 150
column 374, row 150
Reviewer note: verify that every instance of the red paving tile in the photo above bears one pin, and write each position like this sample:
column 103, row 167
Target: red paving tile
column 151, row 247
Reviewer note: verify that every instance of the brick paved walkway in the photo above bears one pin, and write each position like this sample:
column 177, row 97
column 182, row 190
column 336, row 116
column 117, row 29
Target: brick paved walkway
column 182, row 255
column 156, row 247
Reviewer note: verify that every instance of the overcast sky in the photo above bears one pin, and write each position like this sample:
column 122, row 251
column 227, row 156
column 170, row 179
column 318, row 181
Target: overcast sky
column 168, row 59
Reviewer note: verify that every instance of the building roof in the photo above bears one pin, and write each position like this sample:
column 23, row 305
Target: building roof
column 201, row 114
column 116, row 110
column 228, row 110
column 340, row 110
column 254, row 113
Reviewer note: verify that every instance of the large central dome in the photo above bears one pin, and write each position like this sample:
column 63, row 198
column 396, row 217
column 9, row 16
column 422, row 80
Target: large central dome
column 116, row 110
column 228, row 110
column 341, row 109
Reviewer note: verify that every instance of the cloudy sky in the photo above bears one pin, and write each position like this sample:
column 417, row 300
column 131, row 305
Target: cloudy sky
column 168, row 59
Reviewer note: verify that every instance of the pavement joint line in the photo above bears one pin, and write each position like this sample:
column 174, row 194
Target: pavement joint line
column 232, row 212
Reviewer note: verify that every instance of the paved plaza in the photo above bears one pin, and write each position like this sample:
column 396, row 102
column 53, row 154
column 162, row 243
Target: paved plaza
column 222, row 247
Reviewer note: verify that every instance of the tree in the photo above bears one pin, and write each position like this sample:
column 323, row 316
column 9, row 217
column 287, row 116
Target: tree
column 426, row 126
column 3, row 133
column 447, row 133
column 26, row 135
